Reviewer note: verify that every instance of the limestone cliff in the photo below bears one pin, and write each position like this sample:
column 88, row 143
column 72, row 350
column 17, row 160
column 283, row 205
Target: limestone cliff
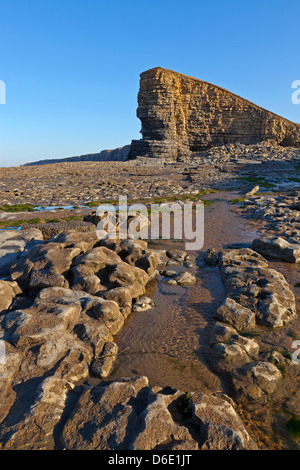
column 118, row 154
column 181, row 114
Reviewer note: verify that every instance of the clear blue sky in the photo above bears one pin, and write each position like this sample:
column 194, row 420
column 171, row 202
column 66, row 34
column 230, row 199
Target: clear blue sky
column 71, row 67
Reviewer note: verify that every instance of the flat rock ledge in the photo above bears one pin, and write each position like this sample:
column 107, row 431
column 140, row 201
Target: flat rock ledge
column 279, row 216
column 256, row 295
column 278, row 248
column 62, row 301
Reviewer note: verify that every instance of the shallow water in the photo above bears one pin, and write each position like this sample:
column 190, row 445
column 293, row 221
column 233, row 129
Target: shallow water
column 10, row 228
column 169, row 343
column 55, row 208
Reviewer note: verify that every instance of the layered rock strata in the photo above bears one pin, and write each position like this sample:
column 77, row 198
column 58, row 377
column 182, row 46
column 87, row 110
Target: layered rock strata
column 181, row 115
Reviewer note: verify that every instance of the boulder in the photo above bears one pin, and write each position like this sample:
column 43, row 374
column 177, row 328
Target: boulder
column 211, row 257
column 253, row 285
column 178, row 256
column 92, row 308
column 228, row 347
column 185, row 279
column 14, row 243
column 143, row 304
column 220, row 426
column 42, row 322
column 265, row 375
column 105, row 418
column 103, row 364
column 34, row 431
column 8, row 292
column 136, row 253
column 278, row 248
column 44, row 266
column 122, row 296
column 101, row 269
column 230, row 353
column 257, row 381
column 11, row 359
column 236, row 315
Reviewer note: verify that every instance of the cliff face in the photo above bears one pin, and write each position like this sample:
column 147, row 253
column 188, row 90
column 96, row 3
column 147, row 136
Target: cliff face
column 181, row 115
column 119, row 154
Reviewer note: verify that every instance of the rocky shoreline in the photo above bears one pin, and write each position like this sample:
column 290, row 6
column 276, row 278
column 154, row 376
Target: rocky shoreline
column 58, row 324
column 223, row 167
column 66, row 295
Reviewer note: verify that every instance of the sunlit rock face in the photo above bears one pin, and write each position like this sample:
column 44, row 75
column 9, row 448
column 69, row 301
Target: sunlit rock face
column 181, row 115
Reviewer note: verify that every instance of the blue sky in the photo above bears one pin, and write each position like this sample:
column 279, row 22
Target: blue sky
column 71, row 67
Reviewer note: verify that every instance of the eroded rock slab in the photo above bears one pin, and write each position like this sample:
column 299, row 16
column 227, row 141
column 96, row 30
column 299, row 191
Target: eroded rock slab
column 257, row 295
column 257, row 381
column 255, row 286
column 278, row 248
column 13, row 244
column 8, row 292
column 239, row 317
column 55, row 336
column 103, row 364
column 128, row 414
